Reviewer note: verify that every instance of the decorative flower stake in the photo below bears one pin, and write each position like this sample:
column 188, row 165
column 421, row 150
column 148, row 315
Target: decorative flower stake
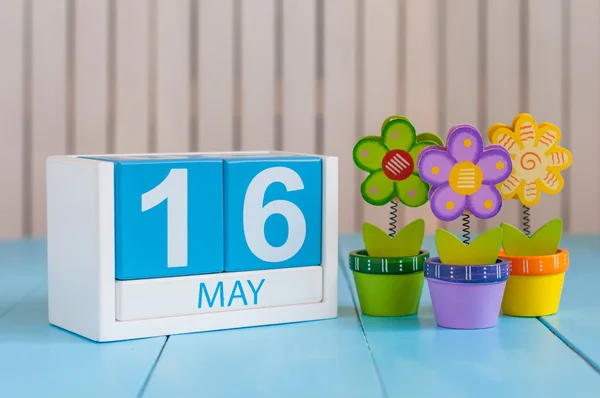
column 388, row 273
column 538, row 264
column 466, row 282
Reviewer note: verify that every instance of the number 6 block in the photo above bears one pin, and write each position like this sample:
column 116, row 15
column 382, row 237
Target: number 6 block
column 156, row 244
column 273, row 217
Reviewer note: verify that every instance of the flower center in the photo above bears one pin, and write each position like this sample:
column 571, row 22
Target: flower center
column 465, row 178
column 530, row 164
column 398, row 165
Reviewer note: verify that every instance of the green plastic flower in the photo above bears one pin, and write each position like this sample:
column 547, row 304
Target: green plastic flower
column 391, row 162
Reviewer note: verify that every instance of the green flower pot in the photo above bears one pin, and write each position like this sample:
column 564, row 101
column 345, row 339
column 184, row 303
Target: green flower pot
column 388, row 286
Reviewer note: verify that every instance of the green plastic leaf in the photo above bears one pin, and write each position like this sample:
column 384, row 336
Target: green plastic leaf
column 430, row 137
column 398, row 133
column 544, row 241
column 377, row 189
column 412, row 192
column 407, row 241
column 482, row 250
column 368, row 153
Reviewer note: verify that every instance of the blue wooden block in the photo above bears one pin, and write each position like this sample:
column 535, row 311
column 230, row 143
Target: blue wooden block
column 272, row 212
column 168, row 216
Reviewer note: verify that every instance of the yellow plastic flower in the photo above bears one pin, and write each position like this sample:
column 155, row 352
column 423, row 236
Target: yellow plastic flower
column 537, row 158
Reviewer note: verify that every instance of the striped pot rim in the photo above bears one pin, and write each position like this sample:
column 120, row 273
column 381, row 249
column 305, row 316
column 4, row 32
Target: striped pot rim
column 538, row 265
column 361, row 262
column 486, row 273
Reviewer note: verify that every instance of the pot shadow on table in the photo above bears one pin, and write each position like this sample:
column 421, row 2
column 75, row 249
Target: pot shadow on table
column 424, row 319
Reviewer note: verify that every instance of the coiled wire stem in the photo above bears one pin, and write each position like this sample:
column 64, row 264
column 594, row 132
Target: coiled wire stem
column 393, row 217
column 526, row 221
column 466, row 218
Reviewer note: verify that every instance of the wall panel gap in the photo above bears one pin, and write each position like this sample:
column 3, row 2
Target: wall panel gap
column 359, row 104
column 194, row 73
column 27, row 118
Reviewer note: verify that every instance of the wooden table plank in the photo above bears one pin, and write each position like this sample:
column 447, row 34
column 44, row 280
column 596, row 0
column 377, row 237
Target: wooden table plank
column 578, row 318
column 37, row 359
column 17, row 277
column 520, row 357
column 312, row 359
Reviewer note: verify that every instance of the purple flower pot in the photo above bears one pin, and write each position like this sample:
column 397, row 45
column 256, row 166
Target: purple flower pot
column 466, row 296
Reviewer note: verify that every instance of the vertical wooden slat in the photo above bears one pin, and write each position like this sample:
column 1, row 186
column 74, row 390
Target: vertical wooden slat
column 422, row 86
column 258, row 75
column 299, row 74
column 11, row 118
column 172, row 76
column 91, row 77
column 461, row 100
column 545, row 86
column 380, row 85
column 503, row 82
column 339, row 99
column 132, row 80
column 582, row 184
column 215, row 64
column 48, row 99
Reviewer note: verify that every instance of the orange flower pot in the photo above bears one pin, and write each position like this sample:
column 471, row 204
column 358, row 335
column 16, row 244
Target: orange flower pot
column 535, row 284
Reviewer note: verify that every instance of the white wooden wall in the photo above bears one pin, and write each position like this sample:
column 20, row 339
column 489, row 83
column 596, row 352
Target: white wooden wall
column 106, row 76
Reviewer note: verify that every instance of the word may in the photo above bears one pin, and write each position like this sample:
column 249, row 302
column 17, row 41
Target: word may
column 236, row 293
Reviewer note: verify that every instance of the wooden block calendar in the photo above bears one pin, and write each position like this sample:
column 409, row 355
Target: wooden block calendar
column 143, row 245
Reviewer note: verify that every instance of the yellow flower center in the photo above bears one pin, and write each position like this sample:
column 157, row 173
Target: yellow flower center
column 449, row 205
column 488, row 204
column 435, row 170
column 465, row 178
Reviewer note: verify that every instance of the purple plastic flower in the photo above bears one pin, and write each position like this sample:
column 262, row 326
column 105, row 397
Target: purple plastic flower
column 463, row 175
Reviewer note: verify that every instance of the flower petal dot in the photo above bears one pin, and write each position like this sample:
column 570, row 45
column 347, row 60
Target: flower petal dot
column 434, row 165
column 377, row 189
column 465, row 143
column 485, row 203
column 446, row 204
column 412, row 191
column 495, row 164
column 368, row 153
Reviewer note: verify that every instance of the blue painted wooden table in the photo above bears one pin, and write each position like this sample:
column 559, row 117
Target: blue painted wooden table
column 351, row 356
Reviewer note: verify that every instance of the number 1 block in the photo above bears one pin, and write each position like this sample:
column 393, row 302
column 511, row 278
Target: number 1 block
column 168, row 216
column 273, row 212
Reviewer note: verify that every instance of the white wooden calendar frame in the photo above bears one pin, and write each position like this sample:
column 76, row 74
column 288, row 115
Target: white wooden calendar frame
column 81, row 260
